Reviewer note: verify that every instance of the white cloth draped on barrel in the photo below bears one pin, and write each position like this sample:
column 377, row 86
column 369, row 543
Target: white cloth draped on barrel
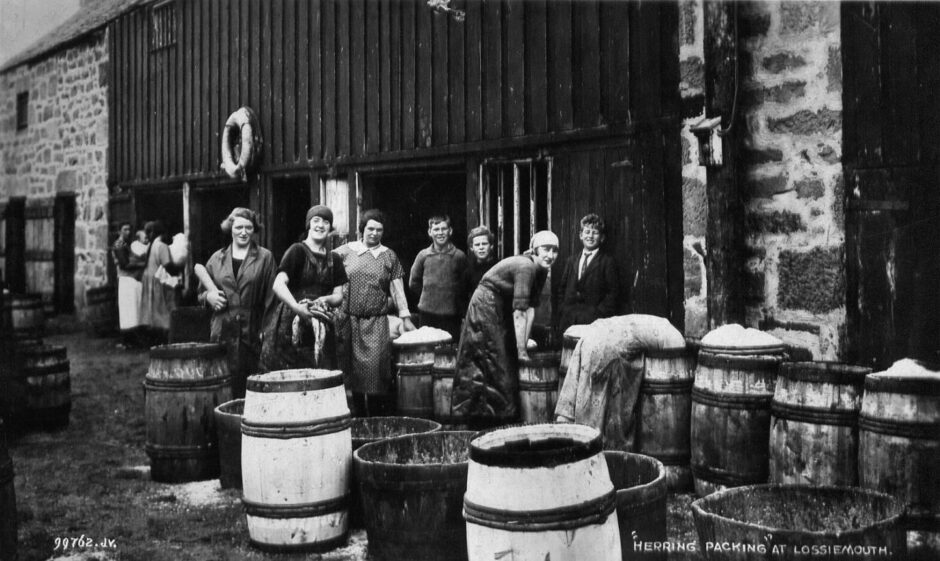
column 605, row 373
column 129, row 293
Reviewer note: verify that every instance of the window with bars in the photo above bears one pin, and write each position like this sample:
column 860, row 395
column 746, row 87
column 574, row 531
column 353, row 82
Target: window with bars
column 515, row 201
column 22, row 110
column 163, row 25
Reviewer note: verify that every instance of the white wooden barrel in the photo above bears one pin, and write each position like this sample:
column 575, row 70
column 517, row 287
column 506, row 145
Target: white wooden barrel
column 540, row 492
column 296, row 460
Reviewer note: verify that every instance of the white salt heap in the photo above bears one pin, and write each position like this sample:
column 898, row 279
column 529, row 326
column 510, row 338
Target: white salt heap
column 735, row 335
column 910, row 368
column 424, row 335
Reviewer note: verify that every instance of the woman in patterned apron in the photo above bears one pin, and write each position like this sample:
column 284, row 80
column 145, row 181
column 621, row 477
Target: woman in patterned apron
column 298, row 330
column 238, row 290
column 375, row 276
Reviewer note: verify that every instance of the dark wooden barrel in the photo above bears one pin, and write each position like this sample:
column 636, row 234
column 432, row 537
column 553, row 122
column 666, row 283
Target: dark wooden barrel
column 543, row 492
column 23, row 316
column 538, row 387
column 814, row 424
column 366, row 430
column 412, row 490
column 899, row 443
column 296, row 460
column 43, row 373
column 190, row 324
column 442, row 379
column 731, row 399
column 8, row 517
column 184, row 385
column 664, row 411
column 789, row 521
column 101, row 310
column 228, row 424
column 641, row 483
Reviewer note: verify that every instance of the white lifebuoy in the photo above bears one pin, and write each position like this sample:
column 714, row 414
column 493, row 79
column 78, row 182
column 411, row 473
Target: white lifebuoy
column 243, row 123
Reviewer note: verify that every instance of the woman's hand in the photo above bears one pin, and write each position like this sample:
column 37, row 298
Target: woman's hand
column 523, row 355
column 407, row 325
column 216, row 300
column 301, row 309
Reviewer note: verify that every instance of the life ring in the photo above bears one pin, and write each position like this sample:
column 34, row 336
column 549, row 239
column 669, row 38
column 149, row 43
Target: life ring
column 241, row 128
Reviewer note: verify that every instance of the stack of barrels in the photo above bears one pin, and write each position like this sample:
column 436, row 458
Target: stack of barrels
column 423, row 356
column 35, row 376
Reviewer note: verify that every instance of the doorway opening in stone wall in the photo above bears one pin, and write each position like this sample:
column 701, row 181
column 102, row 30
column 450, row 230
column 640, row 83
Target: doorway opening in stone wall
column 161, row 203
column 209, row 205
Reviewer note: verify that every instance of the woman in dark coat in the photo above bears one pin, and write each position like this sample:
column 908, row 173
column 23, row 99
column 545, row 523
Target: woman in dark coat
column 298, row 330
column 497, row 327
column 237, row 287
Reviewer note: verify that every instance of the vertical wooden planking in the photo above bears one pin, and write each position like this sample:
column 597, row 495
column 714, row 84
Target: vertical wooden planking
column 214, row 91
column 224, row 62
column 266, row 85
column 536, row 67
column 254, row 68
column 408, row 41
column 901, row 138
column 669, row 59
column 586, row 63
column 314, row 70
column 456, row 35
column 440, row 81
column 474, row 69
column 302, row 59
column 514, row 71
column 289, row 91
column 114, row 72
column 329, row 89
column 342, row 78
column 281, row 147
column 863, row 29
column 119, row 101
column 384, row 59
column 615, row 60
column 395, row 71
column 424, row 77
column 150, row 74
column 559, row 65
column 644, row 44
column 492, row 69
column 188, row 20
column 374, row 83
column 244, row 53
column 180, row 85
column 357, row 76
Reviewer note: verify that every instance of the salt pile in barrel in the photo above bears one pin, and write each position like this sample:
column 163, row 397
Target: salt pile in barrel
column 735, row 335
column 909, row 368
column 424, row 335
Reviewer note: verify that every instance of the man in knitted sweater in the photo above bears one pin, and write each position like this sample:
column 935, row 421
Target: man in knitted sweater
column 437, row 277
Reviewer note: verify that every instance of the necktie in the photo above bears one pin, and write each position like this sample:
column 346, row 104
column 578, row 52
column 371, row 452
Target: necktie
column 584, row 264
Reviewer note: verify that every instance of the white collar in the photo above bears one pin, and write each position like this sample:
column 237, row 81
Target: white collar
column 359, row 248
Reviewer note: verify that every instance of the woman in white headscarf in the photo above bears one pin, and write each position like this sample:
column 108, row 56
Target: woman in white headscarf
column 497, row 327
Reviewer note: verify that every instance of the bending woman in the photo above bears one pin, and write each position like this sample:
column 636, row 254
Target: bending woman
column 237, row 287
column 494, row 336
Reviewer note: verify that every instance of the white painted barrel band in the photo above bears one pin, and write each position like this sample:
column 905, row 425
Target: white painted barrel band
column 731, row 401
column 301, row 510
column 815, row 415
column 747, row 362
column 292, row 386
column 926, row 431
column 549, row 386
column 658, row 387
column 164, row 451
column 723, row 477
column 187, row 351
column 178, row 385
column 531, row 458
column 300, row 429
column 594, row 511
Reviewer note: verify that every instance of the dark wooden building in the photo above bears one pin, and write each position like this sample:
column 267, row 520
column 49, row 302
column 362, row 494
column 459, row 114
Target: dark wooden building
column 525, row 115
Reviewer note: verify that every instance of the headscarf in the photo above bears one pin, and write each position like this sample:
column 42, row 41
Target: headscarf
column 544, row 237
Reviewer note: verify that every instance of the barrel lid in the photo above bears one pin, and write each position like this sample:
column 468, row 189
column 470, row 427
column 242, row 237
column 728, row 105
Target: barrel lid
column 187, row 350
column 296, row 380
column 532, row 446
column 726, row 360
column 753, row 350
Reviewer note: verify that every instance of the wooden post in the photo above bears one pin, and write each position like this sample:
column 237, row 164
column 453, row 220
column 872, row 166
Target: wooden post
column 725, row 230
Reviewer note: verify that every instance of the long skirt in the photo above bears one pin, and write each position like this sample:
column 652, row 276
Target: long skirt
column 366, row 354
column 129, row 291
column 486, row 385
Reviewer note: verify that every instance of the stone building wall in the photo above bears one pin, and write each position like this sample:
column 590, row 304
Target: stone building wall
column 64, row 147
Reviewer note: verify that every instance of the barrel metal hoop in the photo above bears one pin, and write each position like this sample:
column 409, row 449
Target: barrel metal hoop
column 670, row 459
column 169, row 452
column 634, row 507
column 668, row 353
column 594, row 511
column 537, row 458
column 925, row 431
column 305, row 547
column 659, row 387
column 42, row 350
column 722, row 477
column 731, row 401
column 749, row 362
column 311, row 384
column 415, row 369
column 45, row 370
column 825, row 373
column 538, row 386
column 188, row 351
column 176, row 385
column 814, row 415
column 920, row 387
column 300, row 510
column 285, row 431
column 443, row 373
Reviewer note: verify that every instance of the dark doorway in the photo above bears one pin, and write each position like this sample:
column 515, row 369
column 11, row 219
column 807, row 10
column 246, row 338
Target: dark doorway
column 15, row 248
column 290, row 199
column 64, row 253
column 164, row 204
column 409, row 199
column 209, row 206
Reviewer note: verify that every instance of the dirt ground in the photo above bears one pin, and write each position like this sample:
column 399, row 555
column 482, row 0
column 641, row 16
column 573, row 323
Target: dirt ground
column 91, row 481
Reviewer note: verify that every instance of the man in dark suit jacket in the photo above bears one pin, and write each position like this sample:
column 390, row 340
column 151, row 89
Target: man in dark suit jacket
column 589, row 286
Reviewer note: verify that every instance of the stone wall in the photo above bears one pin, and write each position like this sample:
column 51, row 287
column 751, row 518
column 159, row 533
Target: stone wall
column 64, row 148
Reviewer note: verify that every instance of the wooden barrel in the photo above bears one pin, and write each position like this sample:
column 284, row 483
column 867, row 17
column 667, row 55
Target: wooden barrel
column 8, row 517
column 296, row 460
column 228, row 424
column 641, row 485
column 814, row 424
column 664, row 411
column 442, row 380
column 731, row 399
column 412, row 488
column 899, row 443
column 540, row 492
column 23, row 316
column 43, row 373
column 184, row 385
column 413, row 364
column 101, row 309
column 569, row 340
column 538, row 387
column 799, row 522
column 190, row 324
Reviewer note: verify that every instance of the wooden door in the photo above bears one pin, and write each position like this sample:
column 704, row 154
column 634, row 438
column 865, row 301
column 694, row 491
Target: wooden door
column 892, row 180
column 40, row 251
column 15, row 245
column 64, row 253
